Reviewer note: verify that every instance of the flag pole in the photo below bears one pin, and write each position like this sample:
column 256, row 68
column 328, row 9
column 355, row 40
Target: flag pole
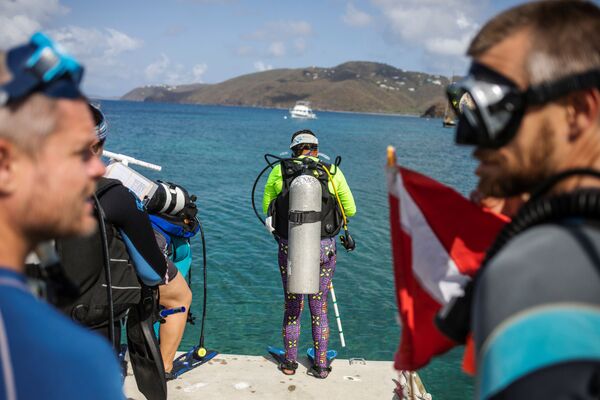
column 391, row 156
column 391, row 163
column 337, row 314
column 412, row 385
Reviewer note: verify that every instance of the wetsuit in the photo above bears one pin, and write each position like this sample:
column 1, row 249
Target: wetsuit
column 125, row 213
column 123, row 209
column 536, row 315
column 44, row 355
column 294, row 303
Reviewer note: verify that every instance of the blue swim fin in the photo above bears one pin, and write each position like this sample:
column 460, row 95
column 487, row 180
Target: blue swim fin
column 331, row 355
column 191, row 360
column 277, row 353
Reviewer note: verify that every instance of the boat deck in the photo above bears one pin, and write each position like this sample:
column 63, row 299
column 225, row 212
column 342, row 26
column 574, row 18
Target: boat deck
column 255, row 377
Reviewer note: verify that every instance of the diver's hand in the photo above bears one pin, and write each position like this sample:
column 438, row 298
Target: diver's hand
column 347, row 241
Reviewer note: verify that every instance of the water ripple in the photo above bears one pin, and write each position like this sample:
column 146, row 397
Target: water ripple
column 216, row 152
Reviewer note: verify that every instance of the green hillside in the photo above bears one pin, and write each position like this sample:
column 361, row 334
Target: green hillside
column 352, row 86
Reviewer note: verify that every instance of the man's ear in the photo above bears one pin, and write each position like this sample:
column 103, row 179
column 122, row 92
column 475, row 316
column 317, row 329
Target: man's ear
column 9, row 156
column 583, row 111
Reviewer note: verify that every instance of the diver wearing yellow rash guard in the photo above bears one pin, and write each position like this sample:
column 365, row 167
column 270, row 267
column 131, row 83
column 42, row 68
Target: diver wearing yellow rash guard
column 274, row 186
column 304, row 144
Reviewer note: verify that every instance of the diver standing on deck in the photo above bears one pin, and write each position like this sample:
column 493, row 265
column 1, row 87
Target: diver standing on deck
column 132, row 243
column 276, row 203
column 47, row 178
column 534, row 118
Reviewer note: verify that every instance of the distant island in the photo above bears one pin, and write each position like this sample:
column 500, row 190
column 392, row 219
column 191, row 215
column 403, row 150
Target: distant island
column 355, row 86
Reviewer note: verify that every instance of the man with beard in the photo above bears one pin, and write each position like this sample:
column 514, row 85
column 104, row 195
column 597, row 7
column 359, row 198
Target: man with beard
column 533, row 112
column 47, row 177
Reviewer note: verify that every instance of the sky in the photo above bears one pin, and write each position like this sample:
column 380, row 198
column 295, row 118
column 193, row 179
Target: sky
column 129, row 43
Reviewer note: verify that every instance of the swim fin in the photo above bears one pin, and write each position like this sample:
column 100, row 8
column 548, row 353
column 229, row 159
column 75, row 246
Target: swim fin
column 144, row 351
column 331, row 355
column 191, row 360
column 286, row 366
column 277, row 353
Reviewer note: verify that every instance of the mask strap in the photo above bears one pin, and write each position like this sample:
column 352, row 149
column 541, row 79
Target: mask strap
column 549, row 91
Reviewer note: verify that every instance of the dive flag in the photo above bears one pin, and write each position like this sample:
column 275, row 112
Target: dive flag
column 439, row 238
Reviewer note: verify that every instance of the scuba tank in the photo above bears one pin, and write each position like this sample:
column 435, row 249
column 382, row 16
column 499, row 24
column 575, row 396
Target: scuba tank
column 334, row 215
column 304, row 235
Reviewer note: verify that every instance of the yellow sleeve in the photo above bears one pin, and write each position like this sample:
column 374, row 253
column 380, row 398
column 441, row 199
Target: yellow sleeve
column 272, row 187
column 344, row 192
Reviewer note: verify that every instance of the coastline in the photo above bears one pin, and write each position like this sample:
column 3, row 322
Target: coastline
column 274, row 108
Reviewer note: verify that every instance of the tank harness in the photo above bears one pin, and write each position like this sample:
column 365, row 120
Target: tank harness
column 92, row 307
column 330, row 215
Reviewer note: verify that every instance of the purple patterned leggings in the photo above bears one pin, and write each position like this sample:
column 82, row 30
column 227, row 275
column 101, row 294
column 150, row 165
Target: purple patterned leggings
column 317, row 303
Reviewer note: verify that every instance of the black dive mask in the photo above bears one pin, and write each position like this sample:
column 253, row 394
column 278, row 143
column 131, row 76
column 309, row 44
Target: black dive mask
column 490, row 106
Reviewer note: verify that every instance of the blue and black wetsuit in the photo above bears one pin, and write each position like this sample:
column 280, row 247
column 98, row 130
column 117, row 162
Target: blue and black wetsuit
column 536, row 318
column 44, row 355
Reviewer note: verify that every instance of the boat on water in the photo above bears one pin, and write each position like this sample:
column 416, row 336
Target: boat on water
column 448, row 122
column 449, row 119
column 302, row 110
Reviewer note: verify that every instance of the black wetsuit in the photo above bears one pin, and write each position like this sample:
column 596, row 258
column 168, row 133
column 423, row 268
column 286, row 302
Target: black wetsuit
column 123, row 210
column 536, row 315
column 134, row 256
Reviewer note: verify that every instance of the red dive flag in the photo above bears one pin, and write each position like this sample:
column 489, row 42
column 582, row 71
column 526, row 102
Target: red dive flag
column 439, row 239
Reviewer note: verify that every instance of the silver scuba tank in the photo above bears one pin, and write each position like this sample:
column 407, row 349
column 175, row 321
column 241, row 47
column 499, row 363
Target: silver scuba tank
column 304, row 235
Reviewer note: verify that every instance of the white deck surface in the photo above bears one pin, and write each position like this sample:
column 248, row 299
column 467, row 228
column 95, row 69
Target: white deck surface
column 256, row 377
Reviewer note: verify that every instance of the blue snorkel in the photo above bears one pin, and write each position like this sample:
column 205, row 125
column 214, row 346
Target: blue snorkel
column 40, row 66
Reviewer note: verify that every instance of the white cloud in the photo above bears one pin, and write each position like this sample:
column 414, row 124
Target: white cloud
column 119, row 42
column 89, row 43
column 261, row 66
column 198, row 71
column 277, row 49
column 281, row 29
column 19, row 19
column 277, row 37
column 440, row 27
column 164, row 71
column 99, row 49
column 297, row 28
column 355, row 17
column 155, row 70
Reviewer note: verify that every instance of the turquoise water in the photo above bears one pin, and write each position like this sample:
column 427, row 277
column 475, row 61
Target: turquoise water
column 216, row 153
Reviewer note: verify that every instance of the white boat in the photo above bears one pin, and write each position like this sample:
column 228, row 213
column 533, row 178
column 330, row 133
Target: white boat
column 302, row 110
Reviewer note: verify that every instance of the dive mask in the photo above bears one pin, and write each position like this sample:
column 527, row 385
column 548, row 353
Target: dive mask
column 40, row 66
column 490, row 106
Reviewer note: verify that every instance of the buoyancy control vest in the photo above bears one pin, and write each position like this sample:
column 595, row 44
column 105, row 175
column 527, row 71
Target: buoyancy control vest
column 331, row 216
column 82, row 260
column 177, row 237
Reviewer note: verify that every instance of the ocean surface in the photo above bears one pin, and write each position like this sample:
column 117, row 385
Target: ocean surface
column 217, row 152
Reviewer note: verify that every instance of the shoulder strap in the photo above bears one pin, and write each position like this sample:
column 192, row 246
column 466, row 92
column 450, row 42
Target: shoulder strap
column 104, row 184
